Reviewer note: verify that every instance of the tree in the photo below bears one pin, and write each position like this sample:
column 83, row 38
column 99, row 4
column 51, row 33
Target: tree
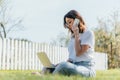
column 108, row 39
column 7, row 22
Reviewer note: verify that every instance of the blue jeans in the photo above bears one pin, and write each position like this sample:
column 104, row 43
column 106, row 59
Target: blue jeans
column 83, row 68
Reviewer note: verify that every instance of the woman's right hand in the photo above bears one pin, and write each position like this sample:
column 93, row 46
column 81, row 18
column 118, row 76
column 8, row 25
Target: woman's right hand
column 75, row 30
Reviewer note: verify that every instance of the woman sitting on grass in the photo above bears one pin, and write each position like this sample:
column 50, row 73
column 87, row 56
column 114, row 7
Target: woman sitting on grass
column 80, row 48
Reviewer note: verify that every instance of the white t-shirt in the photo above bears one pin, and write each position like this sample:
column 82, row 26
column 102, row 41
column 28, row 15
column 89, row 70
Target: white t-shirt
column 86, row 38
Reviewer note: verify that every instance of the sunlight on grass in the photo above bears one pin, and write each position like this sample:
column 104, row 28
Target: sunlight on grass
column 26, row 75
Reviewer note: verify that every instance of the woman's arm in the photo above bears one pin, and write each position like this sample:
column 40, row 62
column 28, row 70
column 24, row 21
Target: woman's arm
column 80, row 49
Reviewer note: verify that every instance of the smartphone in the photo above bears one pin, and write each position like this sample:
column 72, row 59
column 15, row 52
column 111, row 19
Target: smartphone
column 76, row 22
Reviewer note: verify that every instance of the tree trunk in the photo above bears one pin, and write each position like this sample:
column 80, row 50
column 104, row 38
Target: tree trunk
column 4, row 32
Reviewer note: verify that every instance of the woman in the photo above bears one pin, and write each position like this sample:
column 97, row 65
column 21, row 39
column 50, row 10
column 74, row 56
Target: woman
column 81, row 48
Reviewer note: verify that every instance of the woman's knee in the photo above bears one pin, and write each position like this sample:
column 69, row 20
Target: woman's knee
column 64, row 64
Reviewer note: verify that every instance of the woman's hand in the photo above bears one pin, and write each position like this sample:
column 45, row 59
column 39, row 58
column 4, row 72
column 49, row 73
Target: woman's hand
column 75, row 30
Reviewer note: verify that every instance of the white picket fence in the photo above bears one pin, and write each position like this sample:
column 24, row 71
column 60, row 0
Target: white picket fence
column 21, row 55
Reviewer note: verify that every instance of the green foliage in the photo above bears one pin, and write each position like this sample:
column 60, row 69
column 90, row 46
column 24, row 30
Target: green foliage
column 107, row 40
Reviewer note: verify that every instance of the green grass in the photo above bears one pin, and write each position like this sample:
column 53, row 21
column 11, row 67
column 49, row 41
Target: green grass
column 26, row 75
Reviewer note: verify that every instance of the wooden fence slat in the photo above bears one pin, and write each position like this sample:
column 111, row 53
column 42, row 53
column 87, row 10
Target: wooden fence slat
column 8, row 54
column 38, row 61
column 26, row 55
column 30, row 55
column 12, row 54
column 23, row 55
column 16, row 54
column 19, row 55
column 4, row 55
column 1, row 46
column 35, row 56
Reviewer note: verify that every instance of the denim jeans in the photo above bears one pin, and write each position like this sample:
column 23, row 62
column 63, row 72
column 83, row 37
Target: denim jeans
column 83, row 68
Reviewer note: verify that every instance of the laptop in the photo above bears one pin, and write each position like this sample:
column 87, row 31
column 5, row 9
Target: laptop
column 45, row 60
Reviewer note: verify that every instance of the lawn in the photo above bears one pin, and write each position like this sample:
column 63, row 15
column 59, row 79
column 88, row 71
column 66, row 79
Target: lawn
column 26, row 75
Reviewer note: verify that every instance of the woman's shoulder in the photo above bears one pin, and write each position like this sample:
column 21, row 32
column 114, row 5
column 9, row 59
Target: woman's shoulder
column 88, row 31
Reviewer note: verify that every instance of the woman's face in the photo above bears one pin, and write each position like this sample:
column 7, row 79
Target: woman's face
column 69, row 22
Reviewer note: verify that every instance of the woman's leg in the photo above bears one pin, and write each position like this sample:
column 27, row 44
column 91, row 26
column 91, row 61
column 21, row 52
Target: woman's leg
column 67, row 68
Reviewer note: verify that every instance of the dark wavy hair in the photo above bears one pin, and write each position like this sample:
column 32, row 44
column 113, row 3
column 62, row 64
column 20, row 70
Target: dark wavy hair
column 73, row 14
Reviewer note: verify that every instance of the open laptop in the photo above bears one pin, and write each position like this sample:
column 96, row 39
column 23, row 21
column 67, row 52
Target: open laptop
column 45, row 60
